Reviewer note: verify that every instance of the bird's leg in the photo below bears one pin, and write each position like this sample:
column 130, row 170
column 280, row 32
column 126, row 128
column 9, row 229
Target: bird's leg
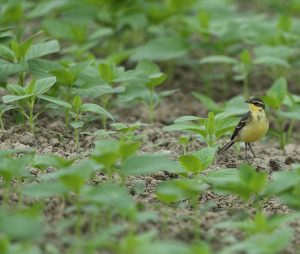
column 246, row 157
column 251, row 150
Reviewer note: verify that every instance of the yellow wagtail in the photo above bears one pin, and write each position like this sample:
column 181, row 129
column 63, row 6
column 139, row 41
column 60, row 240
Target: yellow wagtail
column 252, row 126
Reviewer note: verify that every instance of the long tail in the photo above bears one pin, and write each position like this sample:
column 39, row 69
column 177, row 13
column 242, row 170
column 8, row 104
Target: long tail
column 225, row 147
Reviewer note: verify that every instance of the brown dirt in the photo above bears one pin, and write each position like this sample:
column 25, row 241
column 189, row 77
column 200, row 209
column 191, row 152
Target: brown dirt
column 178, row 220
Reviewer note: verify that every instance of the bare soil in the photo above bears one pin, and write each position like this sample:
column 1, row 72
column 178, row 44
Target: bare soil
column 177, row 221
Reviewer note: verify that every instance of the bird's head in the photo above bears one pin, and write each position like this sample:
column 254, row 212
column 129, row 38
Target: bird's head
column 256, row 104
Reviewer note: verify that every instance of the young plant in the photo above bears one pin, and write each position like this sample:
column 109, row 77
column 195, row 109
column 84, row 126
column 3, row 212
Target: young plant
column 208, row 129
column 18, row 55
column 127, row 131
column 144, row 89
column 244, row 65
column 66, row 75
column 284, row 110
column 25, row 97
column 245, row 182
column 78, row 110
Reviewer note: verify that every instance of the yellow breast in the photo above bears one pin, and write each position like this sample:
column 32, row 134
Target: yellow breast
column 255, row 129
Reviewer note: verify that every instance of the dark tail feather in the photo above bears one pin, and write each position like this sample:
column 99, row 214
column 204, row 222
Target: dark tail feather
column 225, row 147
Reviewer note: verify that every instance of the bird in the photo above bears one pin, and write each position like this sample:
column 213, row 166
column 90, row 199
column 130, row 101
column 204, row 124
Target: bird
column 252, row 127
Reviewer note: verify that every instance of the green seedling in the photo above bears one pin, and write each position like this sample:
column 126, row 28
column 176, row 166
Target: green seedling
column 102, row 82
column 13, row 168
column 198, row 161
column 284, row 110
column 274, row 242
column 144, row 89
column 25, row 98
column 208, row 129
column 245, row 182
column 127, row 131
column 184, row 141
column 180, row 189
column 244, row 66
column 66, row 76
column 18, row 55
column 77, row 111
column 261, row 223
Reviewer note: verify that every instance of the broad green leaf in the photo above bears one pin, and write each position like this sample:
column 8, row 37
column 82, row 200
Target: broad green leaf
column 26, row 226
column 146, row 164
column 77, row 103
column 44, row 190
column 147, row 67
column 13, row 98
column 207, row 102
column 94, row 108
column 282, row 181
column 16, row 89
column 191, row 163
column 10, row 69
column 187, row 118
column 43, row 85
column 179, row 189
column 218, row 59
column 42, row 49
column 161, row 49
column 44, row 161
column 262, row 243
column 276, row 93
column 106, row 72
column 110, row 196
column 271, row 60
column 56, row 101
column 76, row 125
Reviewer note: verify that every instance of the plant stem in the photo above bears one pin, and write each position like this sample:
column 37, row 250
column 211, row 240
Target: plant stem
column 76, row 133
column 246, row 87
column 21, row 78
column 151, row 106
column 1, row 124
column 104, row 103
column 290, row 129
column 31, row 115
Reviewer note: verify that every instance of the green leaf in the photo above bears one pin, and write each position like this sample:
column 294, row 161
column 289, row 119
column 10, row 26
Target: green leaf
column 75, row 176
column 191, row 163
column 146, row 164
column 42, row 49
column 10, row 69
column 27, row 227
column 44, row 190
column 106, row 72
column 110, row 196
column 94, row 108
column 282, row 181
column 276, row 93
column 56, row 101
column 162, row 49
column 147, row 67
column 13, row 98
column 16, row 89
column 271, row 60
column 179, row 189
column 207, row 102
column 41, row 86
column 44, row 161
column 218, row 59
column 77, row 103
column 76, row 125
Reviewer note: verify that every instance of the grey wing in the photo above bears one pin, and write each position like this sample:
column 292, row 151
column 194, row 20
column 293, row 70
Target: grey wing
column 245, row 118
